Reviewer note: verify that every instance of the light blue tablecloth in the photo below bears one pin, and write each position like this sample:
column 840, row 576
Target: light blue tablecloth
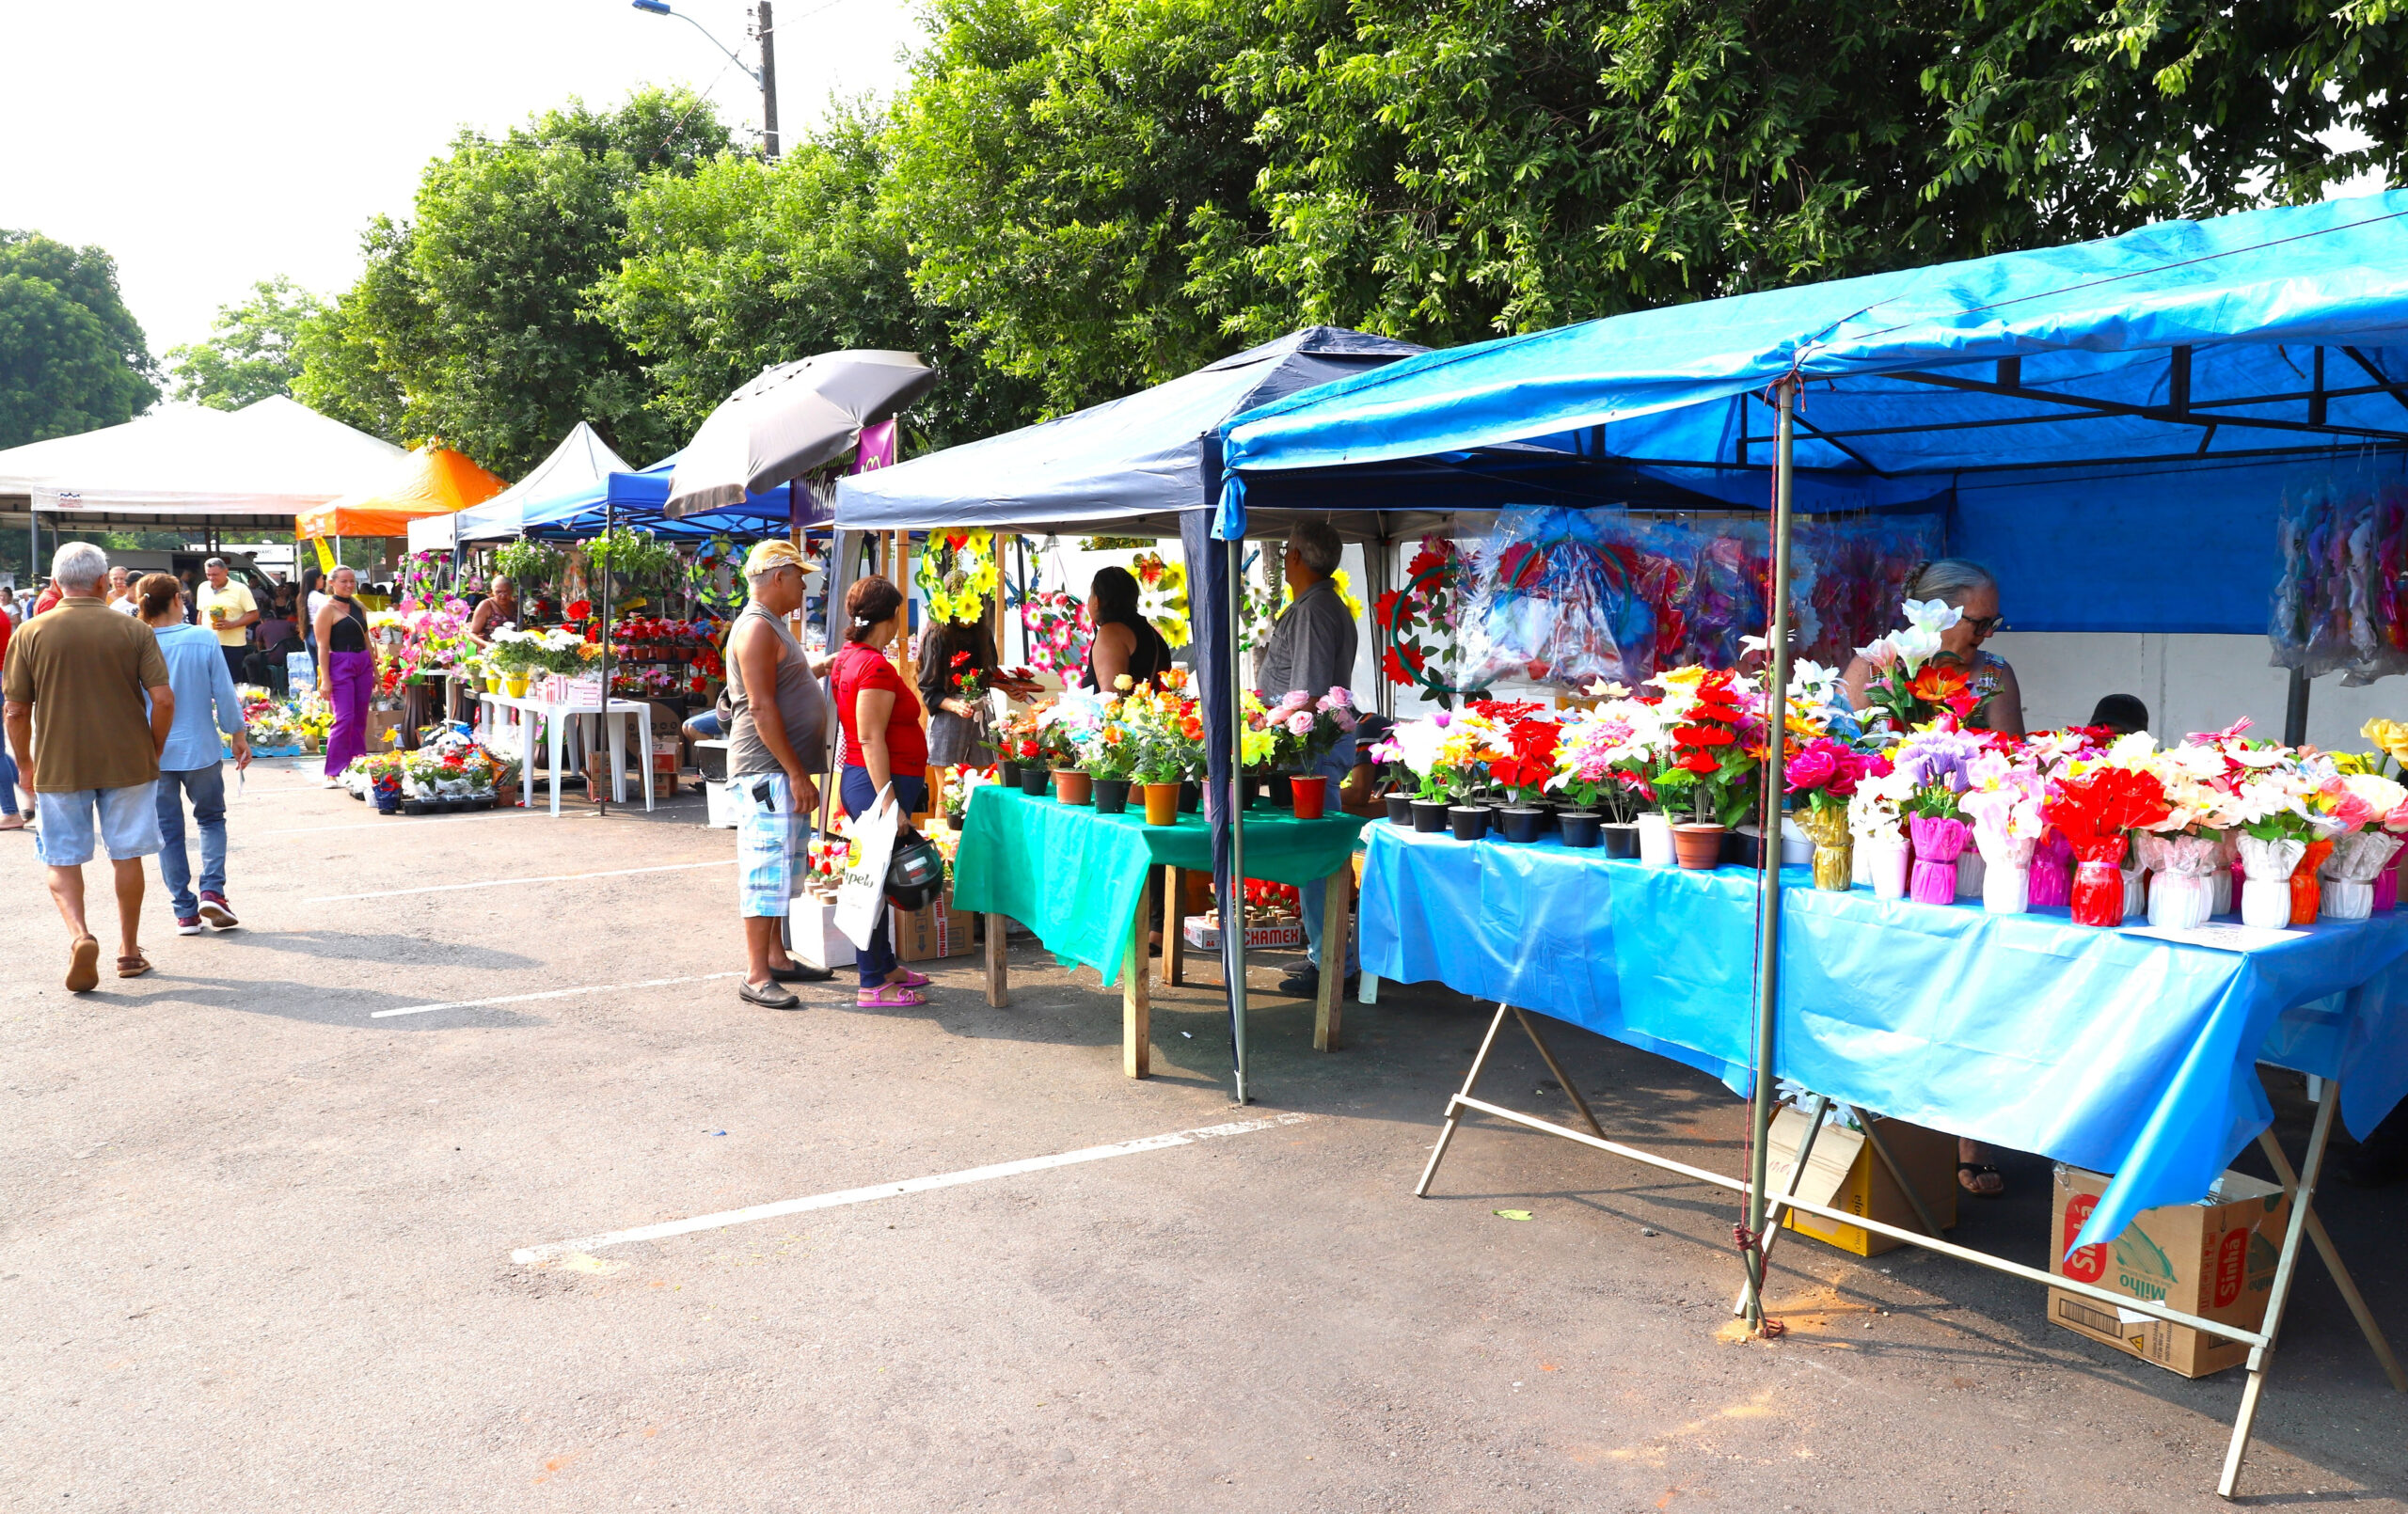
column 2118, row 1052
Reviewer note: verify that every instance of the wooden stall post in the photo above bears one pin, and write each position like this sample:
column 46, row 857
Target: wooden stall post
column 1136, row 1012
column 1332, row 993
column 1174, row 909
column 998, row 970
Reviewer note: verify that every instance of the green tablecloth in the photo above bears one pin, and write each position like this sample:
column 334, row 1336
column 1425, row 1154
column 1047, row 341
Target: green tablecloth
column 1072, row 875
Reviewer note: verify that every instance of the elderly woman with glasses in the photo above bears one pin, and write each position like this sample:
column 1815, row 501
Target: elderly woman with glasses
column 1970, row 588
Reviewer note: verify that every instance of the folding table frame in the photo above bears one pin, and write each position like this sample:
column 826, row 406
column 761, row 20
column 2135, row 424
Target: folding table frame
column 2300, row 1186
column 1136, row 1003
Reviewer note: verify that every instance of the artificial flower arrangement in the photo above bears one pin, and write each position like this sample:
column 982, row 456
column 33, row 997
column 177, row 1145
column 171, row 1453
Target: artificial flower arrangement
column 957, row 574
column 1605, row 757
column 1016, row 735
column 1910, row 684
column 1304, row 728
column 1717, row 728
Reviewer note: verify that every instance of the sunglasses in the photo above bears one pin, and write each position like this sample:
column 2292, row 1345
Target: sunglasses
column 1986, row 624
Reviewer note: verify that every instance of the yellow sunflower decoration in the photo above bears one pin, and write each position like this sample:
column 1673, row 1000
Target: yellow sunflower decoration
column 957, row 574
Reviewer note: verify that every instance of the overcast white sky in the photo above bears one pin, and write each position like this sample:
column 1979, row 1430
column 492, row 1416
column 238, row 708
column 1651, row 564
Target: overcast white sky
column 209, row 146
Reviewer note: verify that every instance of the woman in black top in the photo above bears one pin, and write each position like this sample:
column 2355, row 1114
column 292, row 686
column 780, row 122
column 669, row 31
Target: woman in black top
column 1125, row 643
column 346, row 670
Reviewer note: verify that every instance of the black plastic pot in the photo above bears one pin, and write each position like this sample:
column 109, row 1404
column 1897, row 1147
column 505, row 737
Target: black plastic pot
column 1035, row 780
column 1399, row 809
column 1742, row 848
column 1521, row 823
column 1191, row 797
column 1277, row 792
column 1620, row 840
column 1111, row 796
column 1470, row 820
column 1581, row 828
column 1008, row 773
column 1429, row 816
column 1246, row 792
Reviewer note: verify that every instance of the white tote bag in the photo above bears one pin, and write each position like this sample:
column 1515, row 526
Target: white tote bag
column 863, row 891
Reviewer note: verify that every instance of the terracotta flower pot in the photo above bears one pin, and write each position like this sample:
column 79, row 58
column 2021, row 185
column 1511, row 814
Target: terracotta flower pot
column 1111, row 796
column 1698, row 847
column 1311, row 796
column 1470, row 820
column 1162, row 804
column 1429, row 816
column 1070, row 786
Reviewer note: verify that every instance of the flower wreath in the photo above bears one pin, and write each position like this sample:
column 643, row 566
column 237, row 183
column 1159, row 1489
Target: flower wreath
column 957, row 574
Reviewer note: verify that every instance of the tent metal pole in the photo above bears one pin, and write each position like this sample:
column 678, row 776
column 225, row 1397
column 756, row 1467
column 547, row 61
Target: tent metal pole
column 2295, row 711
column 1769, row 873
column 1233, row 908
column 609, row 731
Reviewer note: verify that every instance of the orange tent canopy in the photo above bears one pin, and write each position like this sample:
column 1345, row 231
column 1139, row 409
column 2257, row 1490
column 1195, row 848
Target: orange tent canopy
column 432, row 480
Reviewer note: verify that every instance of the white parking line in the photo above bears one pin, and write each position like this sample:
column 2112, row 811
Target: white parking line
column 917, row 1185
column 549, row 993
column 504, row 883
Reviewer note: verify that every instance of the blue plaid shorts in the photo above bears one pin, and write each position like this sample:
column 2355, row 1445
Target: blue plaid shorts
column 772, row 842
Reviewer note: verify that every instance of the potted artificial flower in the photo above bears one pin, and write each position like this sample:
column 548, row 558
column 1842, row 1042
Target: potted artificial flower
column 1524, row 773
column 2098, row 811
column 1709, row 774
column 1602, row 762
column 1821, row 778
column 1111, row 761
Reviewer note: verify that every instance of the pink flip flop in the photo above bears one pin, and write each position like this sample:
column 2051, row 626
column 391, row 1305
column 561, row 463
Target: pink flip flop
column 910, row 979
column 888, row 996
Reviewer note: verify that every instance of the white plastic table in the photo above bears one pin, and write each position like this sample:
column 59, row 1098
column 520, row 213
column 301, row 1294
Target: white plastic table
column 557, row 719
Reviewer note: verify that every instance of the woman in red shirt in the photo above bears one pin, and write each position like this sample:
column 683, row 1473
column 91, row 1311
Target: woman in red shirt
column 883, row 744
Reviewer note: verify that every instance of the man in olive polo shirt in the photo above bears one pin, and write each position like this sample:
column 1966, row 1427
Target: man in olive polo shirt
column 80, row 673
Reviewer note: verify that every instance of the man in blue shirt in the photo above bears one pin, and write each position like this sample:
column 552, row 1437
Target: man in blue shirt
column 189, row 764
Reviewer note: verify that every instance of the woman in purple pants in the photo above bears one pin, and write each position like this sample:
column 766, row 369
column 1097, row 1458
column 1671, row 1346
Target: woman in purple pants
column 346, row 670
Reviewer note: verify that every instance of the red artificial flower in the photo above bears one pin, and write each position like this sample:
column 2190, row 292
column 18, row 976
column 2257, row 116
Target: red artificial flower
column 580, row 608
column 1700, row 763
column 1701, row 735
column 697, row 686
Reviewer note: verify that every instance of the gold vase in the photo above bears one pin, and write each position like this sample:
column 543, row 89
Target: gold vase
column 1834, row 853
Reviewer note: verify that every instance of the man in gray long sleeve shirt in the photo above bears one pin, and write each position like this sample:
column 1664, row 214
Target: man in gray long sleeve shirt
column 1312, row 648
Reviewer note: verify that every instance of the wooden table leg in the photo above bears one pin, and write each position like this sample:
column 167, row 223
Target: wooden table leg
column 1332, row 993
column 1174, row 904
column 1137, row 1013
column 998, row 980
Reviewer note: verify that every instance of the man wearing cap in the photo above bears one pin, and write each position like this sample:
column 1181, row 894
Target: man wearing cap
column 775, row 742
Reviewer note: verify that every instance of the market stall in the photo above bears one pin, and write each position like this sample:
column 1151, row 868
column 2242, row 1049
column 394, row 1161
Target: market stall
column 1137, row 466
column 2160, row 394
column 432, row 480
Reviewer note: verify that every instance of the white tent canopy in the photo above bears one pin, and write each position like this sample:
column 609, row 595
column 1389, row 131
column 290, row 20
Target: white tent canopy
column 191, row 466
column 582, row 460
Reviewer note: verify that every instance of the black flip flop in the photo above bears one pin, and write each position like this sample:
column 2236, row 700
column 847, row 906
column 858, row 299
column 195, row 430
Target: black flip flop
column 1977, row 1168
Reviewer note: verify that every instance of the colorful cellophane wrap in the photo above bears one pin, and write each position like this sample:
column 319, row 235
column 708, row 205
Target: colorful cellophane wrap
column 1937, row 840
column 2183, row 895
column 2006, row 831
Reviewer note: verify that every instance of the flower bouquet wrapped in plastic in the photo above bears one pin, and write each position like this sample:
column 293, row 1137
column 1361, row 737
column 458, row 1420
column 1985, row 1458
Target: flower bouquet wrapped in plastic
column 2268, row 861
column 1821, row 779
column 2183, row 895
column 1876, row 822
column 2006, row 827
column 2051, row 884
column 2096, row 809
column 2349, row 874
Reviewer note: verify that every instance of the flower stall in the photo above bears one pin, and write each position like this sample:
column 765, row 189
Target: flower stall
column 1096, row 791
column 448, row 773
column 2184, row 386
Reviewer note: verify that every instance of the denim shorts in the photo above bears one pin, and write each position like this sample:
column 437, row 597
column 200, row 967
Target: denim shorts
column 771, row 844
column 129, row 824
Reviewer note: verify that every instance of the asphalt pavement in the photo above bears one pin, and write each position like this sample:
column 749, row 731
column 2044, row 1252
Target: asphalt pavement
column 258, row 1215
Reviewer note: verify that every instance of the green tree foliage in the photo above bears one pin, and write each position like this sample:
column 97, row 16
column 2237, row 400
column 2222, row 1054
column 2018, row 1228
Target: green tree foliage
column 745, row 264
column 251, row 351
column 1052, row 163
column 71, row 357
column 469, row 323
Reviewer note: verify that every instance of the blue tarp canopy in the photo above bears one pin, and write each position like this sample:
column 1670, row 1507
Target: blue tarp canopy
column 580, row 507
column 1131, row 463
column 2158, row 387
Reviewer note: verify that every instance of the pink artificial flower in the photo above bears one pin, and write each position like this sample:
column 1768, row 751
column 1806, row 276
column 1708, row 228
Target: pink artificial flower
column 1300, row 723
column 1810, row 769
column 1880, row 655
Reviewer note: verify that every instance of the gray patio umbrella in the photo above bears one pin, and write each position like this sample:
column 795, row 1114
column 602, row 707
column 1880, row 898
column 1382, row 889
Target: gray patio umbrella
column 788, row 420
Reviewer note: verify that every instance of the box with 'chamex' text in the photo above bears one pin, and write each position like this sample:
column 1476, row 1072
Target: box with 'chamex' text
column 2214, row 1258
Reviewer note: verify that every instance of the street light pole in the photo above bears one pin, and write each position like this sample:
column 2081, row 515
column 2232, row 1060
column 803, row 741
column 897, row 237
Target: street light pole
column 765, row 77
column 766, row 35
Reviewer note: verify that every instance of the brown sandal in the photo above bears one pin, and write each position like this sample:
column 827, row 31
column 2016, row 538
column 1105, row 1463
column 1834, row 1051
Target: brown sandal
column 84, row 964
column 133, row 967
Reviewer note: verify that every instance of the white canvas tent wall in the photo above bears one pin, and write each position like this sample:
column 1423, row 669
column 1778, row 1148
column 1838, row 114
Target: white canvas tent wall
column 193, row 468
column 582, row 462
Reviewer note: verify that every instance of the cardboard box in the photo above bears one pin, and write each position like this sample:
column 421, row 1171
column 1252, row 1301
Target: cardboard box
column 812, row 936
column 936, row 929
column 2214, row 1258
column 381, row 723
column 1203, row 932
column 1846, row 1173
column 718, row 807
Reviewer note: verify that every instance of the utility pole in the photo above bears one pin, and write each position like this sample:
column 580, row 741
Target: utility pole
column 764, row 31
